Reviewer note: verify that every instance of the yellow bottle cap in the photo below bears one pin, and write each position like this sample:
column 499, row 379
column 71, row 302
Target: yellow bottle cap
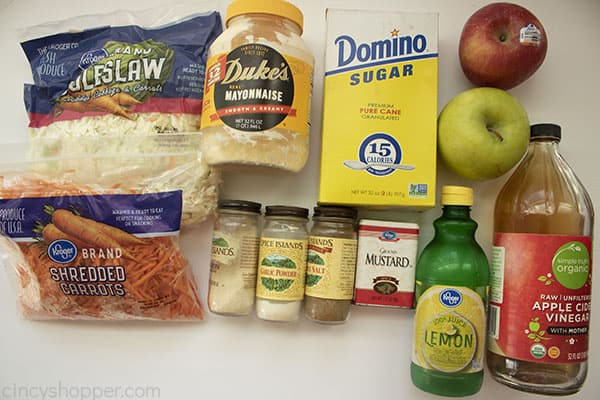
column 457, row 196
column 280, row 8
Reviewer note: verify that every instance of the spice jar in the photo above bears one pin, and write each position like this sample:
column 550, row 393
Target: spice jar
column 282, row 263
column 331, row 264
column 258, row 85
column 234, row 258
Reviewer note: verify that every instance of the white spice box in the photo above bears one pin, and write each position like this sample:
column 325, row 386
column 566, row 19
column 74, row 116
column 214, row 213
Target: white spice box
column 385, row 263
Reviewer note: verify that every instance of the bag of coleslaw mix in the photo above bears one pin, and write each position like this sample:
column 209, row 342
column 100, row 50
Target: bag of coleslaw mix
column 120, row 81
column 91, row 210
column 88, row 242
column 116, row 80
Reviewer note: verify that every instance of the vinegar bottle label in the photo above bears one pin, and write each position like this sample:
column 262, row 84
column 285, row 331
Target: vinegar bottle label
column 540, row 297
column 450, row 329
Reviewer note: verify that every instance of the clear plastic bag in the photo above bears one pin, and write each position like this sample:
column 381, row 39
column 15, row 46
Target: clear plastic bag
column 125, row 164
column 94, row 236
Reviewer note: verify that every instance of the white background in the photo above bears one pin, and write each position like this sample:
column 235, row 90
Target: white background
column 222, row 358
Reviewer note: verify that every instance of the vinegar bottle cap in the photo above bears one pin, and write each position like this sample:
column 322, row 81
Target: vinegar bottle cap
column 545, row 130
column 457, row 196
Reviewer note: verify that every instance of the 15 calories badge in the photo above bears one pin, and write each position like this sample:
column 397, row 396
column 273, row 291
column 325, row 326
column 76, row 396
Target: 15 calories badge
column 379, row 154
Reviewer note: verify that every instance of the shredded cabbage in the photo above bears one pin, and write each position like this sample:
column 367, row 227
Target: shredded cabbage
column 134, row 164
column 114, row 125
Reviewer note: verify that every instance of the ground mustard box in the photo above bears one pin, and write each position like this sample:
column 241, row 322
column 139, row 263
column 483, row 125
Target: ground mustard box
column 380, row 109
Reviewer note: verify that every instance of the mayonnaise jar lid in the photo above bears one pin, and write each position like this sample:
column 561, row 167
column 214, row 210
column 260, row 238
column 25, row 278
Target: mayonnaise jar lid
column 279, row 8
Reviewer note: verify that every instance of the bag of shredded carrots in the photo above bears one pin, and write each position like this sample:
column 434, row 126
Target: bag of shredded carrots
column 93, row 251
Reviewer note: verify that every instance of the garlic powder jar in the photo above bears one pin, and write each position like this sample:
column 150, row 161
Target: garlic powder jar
column 282, row 264
column 257, row 90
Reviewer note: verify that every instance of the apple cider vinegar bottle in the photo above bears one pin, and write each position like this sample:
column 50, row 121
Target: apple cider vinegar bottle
column 541, row 272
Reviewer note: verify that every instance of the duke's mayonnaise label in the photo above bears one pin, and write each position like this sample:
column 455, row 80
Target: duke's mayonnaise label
column 254, row 88
column 380, row 109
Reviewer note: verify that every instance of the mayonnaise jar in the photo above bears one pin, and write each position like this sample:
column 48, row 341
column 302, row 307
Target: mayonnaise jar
column 257, row 92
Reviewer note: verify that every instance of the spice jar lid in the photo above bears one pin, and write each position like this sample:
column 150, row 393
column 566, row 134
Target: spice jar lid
column 273, row 7
column 286, row 211
column 335, row 212
column 242, row 205
column 545, row 130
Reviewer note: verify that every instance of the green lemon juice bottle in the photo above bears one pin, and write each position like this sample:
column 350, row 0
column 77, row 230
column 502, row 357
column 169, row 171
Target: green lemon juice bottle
column 452, row 278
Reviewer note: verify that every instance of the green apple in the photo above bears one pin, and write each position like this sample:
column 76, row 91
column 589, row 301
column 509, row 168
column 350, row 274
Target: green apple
column 482, row 133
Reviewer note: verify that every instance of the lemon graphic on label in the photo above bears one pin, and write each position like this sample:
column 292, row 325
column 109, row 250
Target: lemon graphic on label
column 449, row 335
column 449, row 329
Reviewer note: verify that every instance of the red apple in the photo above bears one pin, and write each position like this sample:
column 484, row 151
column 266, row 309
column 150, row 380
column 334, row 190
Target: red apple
column 501, row 45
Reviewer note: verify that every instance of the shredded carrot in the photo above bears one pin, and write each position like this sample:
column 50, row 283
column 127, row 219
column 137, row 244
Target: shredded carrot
column 158, row 280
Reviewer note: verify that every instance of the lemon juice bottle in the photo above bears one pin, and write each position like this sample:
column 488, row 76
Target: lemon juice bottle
column 452, row 278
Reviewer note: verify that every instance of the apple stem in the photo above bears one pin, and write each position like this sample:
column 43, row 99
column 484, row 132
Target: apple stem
column 495, row 133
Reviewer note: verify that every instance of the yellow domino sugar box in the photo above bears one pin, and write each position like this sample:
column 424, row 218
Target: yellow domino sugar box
column 379, row 109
